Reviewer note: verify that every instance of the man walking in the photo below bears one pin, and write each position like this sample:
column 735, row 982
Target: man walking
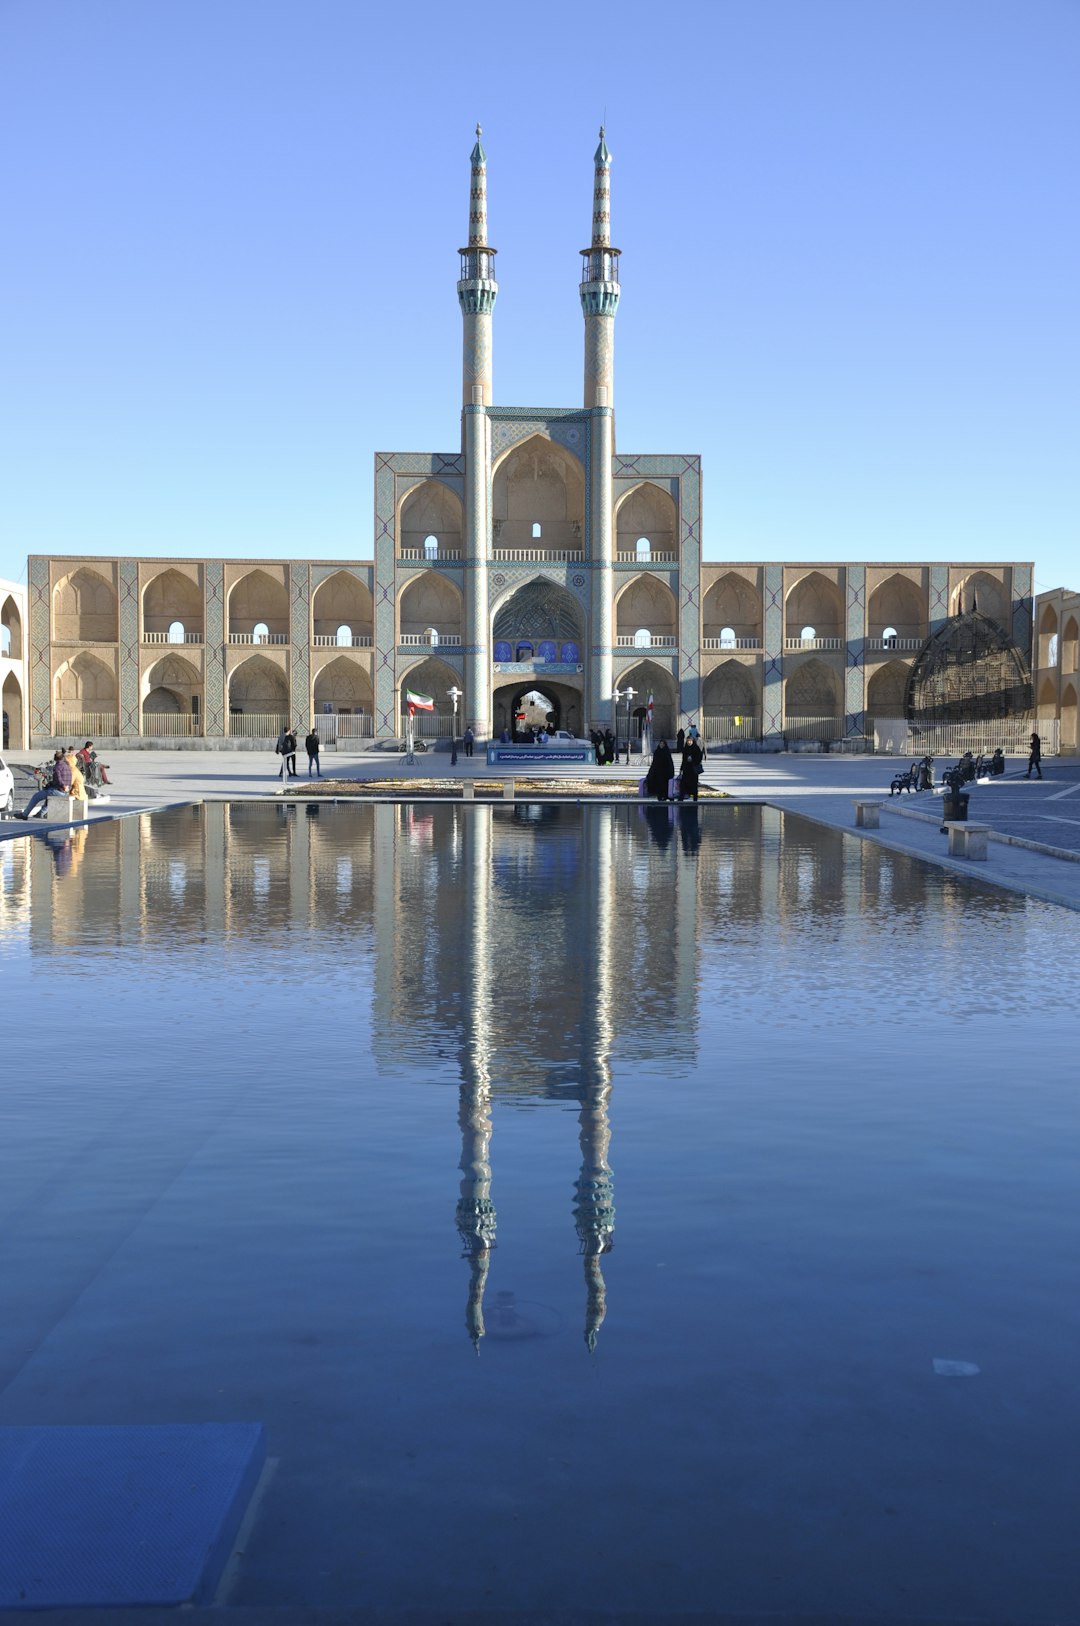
column 469, row 739
column 311, row 746
column 1035, row 758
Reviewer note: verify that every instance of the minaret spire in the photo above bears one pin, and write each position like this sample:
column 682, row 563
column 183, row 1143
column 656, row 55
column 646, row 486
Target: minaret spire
column 600, row 287
column 477, row 289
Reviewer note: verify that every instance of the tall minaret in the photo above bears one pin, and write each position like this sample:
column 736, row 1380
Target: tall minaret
column 477, row 289
column 599, row 302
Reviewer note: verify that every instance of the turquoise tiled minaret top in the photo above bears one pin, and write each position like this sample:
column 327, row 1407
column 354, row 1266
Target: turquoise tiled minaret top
column 601, row 214
column 478, row 196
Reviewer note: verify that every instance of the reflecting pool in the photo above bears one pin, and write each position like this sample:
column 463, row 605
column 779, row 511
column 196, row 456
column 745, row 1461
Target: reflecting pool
column 581, row 1197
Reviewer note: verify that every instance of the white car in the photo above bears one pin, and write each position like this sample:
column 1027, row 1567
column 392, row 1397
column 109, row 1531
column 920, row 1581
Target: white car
column 7, row 789
column 562, row 736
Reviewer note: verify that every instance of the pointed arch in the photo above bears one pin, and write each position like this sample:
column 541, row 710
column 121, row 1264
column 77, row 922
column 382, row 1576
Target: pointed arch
column 1070, row 640
column 647, row 513
column 649, row 677
column 732, row 602
column 11, row 623
column 429, row 601
column 259, row 687
column 985, row 593
column 343, row 685
column 814, row 690
column 538, row 482
column 969, row 671
column 814, row 601
column 646, row 602
column 84, row 688
column 14, row 735
column 434, row 677
column 172, row 692
column 85, row 608
column 430, row 509
column 731, row 690
column 342, row 600
column 539, row 610
column 886, row 692
column 168, row 597
column 898, row 603
column 257, row 597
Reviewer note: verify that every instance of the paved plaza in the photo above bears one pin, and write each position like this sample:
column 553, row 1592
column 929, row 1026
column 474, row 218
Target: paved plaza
column 1043, row 813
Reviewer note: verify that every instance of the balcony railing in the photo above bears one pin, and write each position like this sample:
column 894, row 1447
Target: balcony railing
column 171, row 725
column 731, row 643
column 813, row 643
column 255, row 725
column 895, row 643
column 657, row 640
column 424, row 640
column 425, row 557
column 258, row 637
column 87, row 724
column 656, row 557
column 164, row 638
column 330, row 640
column 524, row 556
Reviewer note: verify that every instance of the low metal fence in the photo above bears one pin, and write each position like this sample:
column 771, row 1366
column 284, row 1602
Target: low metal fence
column 254, row 725
column 722, row 730
column 168, row 725
column 897, row 737
column 86, row 723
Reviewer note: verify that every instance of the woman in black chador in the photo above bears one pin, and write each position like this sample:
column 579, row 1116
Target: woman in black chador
column 693, row 757
column 661, row 773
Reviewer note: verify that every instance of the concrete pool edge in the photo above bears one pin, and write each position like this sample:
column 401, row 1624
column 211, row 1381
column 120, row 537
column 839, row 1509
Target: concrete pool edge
column 300, row 1615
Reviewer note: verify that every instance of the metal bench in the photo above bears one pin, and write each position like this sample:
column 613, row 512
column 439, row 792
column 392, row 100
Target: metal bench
column 966, row 840
column 868, row 815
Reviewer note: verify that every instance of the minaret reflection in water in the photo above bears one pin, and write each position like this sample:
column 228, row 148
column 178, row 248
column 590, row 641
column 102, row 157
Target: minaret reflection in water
column 586, row 1080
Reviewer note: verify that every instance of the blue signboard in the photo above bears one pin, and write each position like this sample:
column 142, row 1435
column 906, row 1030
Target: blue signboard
column 534, row 668
column 521, row 755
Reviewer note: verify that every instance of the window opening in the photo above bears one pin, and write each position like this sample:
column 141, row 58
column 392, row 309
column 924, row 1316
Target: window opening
column 176, row 632
column 808, row 634
column 261, row 633
column 344, row 635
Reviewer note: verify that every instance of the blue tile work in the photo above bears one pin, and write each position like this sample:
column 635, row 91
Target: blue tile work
column 855, row 674
column 680, row 476
column 300, row 633
column 1022, row 610
column 128, row 597
column 38, row 597
column 395, row 473
column 214, row 696
column 122, row 1517
column 939, row 597
column 772, row 698
column 567, row 427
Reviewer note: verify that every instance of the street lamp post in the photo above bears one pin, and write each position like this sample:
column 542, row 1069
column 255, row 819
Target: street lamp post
column 616, row 696
column 629, row 693
column 454, row 696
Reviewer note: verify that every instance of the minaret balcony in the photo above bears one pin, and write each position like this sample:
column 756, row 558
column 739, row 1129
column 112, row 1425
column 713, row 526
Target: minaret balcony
column 525, row 556
column 600, row 298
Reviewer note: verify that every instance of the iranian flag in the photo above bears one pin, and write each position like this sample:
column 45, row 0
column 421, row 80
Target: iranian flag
column 418, row 702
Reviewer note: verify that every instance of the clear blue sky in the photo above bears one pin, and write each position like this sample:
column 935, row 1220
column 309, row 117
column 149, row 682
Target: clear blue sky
column 851, row 263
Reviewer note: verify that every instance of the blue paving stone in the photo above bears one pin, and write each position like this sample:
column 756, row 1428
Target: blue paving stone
column 122, row 1516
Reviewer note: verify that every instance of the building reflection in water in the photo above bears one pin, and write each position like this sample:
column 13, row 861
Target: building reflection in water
column 520, row 946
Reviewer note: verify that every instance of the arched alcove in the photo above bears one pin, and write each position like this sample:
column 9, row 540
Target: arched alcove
column 170, row 597
column 814, row 690
column 84, row 608
column 430, row 522
column 646, row 602
column 645, row 678
column 258, row 599
column 732, row 602
column 538, row 483
column 886, row 692
column 816, row 602
column 1048, row 638
column 343, row 686
column 258, row 698
column 85, row 696
column 539, row 611
column 430, row 600
column 731, row 690
column 1069, row 641
column 172, row 698
column 14, row 733
column 898, row 609
column 436, row 678
column 11, row 629
column 647, row 514
column 342, row 600
column 982, row 592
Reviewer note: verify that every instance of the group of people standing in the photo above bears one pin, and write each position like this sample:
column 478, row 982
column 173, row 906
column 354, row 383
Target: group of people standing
column 663, row 782
column 286, row 748
column 604, row 745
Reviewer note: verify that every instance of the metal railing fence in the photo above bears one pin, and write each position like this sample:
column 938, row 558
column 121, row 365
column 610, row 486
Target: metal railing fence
column 257, row 725
column 897, row 737
column 86, row 723
column 171, row 725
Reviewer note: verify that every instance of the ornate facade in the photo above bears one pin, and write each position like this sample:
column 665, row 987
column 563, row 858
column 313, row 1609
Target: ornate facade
column 537, row 559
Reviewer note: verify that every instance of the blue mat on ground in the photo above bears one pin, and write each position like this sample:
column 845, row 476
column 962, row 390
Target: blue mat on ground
column 122, row 1516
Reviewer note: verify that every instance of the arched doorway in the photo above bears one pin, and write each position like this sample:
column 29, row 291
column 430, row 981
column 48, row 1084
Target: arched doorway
column 172, row 704
column 13, row 714
column 555, row 705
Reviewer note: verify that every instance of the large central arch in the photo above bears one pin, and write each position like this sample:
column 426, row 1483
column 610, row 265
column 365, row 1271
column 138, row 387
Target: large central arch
column 538, row 499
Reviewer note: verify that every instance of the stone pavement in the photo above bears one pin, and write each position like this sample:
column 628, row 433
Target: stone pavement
column 1045, row 812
